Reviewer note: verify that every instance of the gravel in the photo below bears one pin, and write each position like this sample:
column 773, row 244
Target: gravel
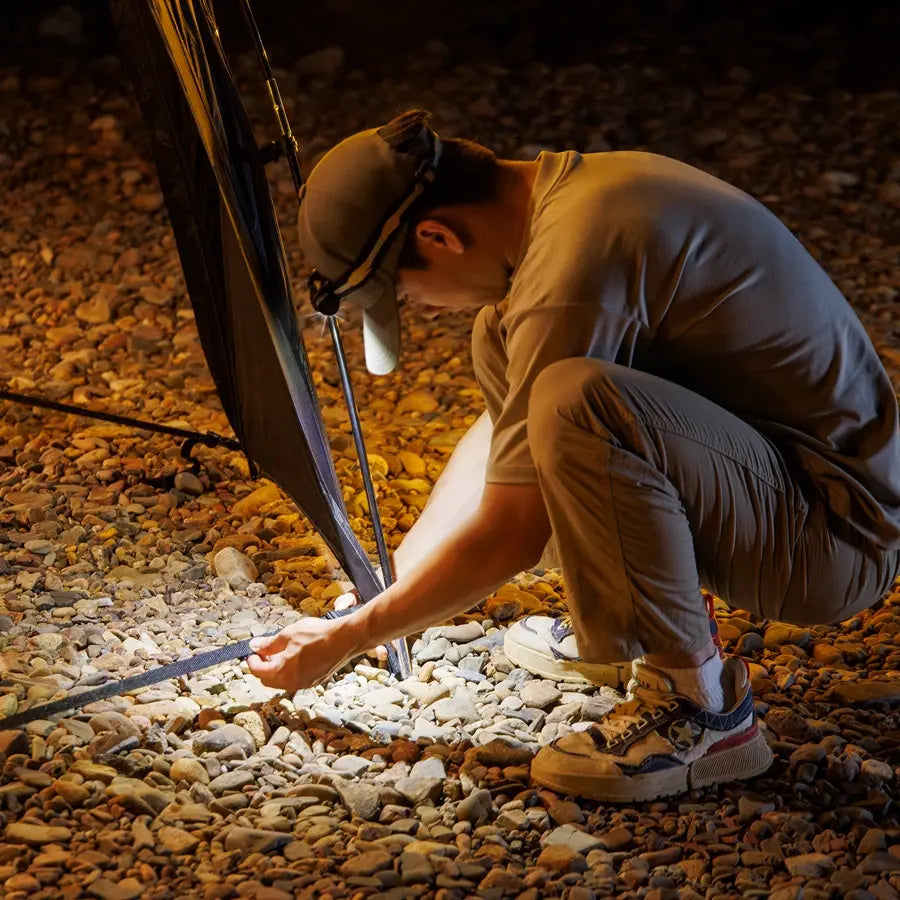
column 115, row 558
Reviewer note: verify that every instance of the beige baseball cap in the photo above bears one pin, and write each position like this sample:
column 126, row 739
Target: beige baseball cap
column 353, row 220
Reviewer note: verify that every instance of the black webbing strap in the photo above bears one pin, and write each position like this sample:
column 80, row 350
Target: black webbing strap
column 208, row 438
column 176, row 669
column 180, row 667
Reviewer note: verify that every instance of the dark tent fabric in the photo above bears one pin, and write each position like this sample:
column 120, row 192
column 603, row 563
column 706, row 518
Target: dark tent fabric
column 227, row 235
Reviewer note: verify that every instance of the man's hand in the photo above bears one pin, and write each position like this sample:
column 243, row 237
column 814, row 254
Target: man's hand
column 350, row 599
column 304, row 653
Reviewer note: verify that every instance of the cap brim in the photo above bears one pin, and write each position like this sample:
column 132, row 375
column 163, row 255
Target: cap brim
column 381, row 316
column 381, row 333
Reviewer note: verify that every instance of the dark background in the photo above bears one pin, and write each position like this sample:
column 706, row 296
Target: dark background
column 856, row 45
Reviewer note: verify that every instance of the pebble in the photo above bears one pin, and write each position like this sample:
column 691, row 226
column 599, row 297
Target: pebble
column 462, row 634
column 561, row 858
column 574, row 838
column 126, row 889
column 539, row 694
column 367, row 863
column 235, row 567
column 475, row 808
column 460, row 706
column 363, row 800
column 255, row 840
column 177, row 840
column 224, row 737
column 431, row 768
column 809, row 865
column 231, row 781
column 861, row 693
column 190, row 770
column 37, row 835
column 350, row 765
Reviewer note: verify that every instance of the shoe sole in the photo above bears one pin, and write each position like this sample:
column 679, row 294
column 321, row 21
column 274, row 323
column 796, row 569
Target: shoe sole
column 733, row 764
column 615, row 675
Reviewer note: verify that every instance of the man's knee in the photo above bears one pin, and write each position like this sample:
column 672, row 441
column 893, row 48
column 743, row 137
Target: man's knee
column 579, row 392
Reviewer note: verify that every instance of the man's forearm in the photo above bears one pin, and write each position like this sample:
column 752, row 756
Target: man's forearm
column 453, row 500
column 463, row 573
column 481, row 554
column 503, row 536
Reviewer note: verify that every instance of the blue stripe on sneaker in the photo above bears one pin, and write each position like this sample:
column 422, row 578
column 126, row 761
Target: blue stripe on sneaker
column 724, row 721
column 655, row 763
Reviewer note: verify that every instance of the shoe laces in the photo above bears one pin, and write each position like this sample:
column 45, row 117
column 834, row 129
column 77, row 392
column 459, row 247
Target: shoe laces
column 639, row 712
column 561, row 628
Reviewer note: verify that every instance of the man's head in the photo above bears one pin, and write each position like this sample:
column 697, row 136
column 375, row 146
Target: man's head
column 396, row 211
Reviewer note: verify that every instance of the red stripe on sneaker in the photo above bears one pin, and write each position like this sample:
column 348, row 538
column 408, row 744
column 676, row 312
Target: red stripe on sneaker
column 735, row 740
column 713, row 625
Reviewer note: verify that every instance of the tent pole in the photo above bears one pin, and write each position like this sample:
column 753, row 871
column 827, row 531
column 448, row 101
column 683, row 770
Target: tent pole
column 289, row 143
column 387, row 571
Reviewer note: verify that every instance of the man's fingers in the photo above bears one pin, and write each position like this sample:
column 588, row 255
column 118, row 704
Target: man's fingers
column 267, row 646
column 345, row 601
column 271, row 672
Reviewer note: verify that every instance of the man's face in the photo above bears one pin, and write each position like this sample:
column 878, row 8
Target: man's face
column 459, row 274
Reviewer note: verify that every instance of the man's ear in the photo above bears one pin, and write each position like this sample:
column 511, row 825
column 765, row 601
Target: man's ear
column 440, row 235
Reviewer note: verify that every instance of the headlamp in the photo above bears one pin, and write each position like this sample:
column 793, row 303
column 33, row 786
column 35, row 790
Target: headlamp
column 326, row 294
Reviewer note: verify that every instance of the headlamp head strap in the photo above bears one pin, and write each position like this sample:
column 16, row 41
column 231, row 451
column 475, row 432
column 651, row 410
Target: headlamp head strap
column 326, row 295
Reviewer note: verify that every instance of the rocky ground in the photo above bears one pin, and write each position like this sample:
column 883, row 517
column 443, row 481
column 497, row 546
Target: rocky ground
column 111, row 550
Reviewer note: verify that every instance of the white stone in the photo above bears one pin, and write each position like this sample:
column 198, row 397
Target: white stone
column 350, row 765
column 431, row 767
column 539, row 694
column 459, row 706
column 383, row 695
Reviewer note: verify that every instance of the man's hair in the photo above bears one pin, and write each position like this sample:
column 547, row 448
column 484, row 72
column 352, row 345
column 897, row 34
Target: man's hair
column 468, row 173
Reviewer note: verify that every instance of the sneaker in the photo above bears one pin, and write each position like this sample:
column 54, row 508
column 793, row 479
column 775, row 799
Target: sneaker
column 546, row 646
column 657, row 743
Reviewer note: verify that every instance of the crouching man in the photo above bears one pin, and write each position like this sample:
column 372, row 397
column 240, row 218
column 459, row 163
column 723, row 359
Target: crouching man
column 676, row 392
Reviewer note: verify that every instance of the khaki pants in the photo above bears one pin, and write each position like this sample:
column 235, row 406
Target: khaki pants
column 654, row 491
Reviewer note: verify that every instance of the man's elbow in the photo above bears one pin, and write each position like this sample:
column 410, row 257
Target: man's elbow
column 514, row 517
column 524, row 543
column 533, row 553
